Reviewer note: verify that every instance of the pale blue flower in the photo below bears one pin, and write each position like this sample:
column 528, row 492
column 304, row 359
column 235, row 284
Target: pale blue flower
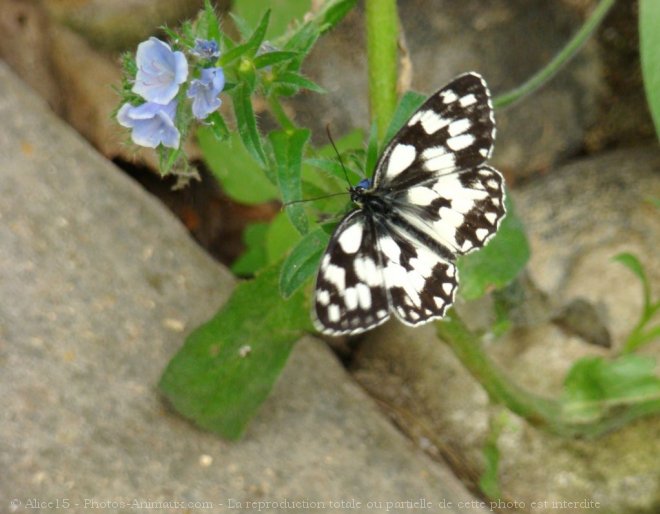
column 206, row 49
column 152, row 124
column 160, row 71
column 205, row 90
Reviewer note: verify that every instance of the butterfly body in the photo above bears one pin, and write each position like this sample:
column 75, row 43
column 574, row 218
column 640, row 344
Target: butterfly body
column 431, row 199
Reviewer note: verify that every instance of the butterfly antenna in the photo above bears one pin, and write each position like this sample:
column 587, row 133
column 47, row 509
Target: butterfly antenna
column 332, row 142
column 284, row 205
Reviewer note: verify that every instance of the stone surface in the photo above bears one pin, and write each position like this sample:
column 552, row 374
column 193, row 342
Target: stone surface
column 119, row 25
column 578, row 218
column 98, row 286
column 506, row 41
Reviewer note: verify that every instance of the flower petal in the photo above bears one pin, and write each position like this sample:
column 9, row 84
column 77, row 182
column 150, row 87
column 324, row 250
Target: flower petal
column 152, row 124
column 160, row 71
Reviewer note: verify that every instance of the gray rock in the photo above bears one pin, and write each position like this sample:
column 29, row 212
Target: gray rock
column 98, row 286
column 506, row 41
column 578, row 218
column 118, row 25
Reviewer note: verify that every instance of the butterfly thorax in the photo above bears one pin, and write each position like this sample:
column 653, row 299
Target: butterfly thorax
column 369, row 201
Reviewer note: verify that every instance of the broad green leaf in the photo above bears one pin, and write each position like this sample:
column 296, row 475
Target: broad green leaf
column 649, row 47
column 594, row 386
column 247, row 123
column 303, row 261
column 241, row 178
column 228, row 366
column 281, row 237
column 499, row 262
column 254, row 258
column 408, row 104
column 288, row 147
column 282, row 12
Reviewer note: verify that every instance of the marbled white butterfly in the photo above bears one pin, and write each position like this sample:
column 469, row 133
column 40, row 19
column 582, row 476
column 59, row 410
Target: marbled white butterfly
column 432, row 198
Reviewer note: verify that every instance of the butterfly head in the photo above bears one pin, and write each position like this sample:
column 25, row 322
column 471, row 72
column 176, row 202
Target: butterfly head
column 357, row 192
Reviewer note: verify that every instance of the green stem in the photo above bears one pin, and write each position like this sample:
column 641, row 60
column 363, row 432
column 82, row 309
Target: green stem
column 545, row 413
column 467, row 347
column 382, row 32
column 564, row 55
column 279, row 113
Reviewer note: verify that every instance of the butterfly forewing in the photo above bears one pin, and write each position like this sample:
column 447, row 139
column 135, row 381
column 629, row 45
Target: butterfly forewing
column 453, row 130
column 433, row 198
column 350, row 294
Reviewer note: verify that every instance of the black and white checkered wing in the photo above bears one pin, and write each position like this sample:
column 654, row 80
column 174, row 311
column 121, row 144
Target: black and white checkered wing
column 453, row 130
column 421, row 284
column 350, row 295
column 434, row 169
column 433, row 198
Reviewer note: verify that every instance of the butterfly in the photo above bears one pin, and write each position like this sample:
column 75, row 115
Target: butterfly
column 432, row 198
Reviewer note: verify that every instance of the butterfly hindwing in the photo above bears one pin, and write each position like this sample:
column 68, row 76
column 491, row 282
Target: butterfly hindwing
column 461, row 211
column 453, row 130
column 350, row 294
column 421, row 284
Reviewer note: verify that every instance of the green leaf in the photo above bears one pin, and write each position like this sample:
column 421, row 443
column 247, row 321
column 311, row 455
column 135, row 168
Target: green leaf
column 211, row 22
column 649, row 47
column 499, row 262
column 292, row 78
column 228, row 366
column 333, row 168
column 217, row 124
column 288, row 147
column 301, row 41
column 250, row 48
column 254, row 258
column 247, row 123
column 233, row 54
column 281, row 237
column 167, row 158
column 632, row 263
column 282, row 12
column 303, row 261
column 332, row 13
column 594, row 386
column 241, row 178
column 409, row 103
column 275, row 57
column 244, row 27
column 258, row 35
